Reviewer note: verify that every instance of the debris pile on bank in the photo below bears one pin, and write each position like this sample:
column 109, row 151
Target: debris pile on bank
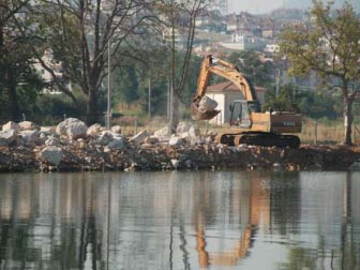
column 72, row 146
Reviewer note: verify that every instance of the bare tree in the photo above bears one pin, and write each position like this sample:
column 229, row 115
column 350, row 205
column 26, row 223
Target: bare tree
column 180, row 20
column 79, row 33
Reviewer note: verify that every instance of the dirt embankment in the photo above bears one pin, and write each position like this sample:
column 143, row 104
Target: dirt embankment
column 164, row 157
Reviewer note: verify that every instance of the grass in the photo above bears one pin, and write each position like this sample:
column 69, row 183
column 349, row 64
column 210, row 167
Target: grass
column 328, row 132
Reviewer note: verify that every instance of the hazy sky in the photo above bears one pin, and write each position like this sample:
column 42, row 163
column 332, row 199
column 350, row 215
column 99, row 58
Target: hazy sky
column 265, row 6
column 253, row 6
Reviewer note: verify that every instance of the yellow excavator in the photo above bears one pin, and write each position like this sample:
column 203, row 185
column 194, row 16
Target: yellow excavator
column 248, row 125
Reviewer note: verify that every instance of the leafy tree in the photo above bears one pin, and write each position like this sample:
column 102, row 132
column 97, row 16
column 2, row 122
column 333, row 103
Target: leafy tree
column 249, row 63
column 81, row 33
column 287, row 99
column 329, row 46
column 19, row 83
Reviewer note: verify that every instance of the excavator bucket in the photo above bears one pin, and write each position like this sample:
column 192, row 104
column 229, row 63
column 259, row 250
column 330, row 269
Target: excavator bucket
column 202, row 115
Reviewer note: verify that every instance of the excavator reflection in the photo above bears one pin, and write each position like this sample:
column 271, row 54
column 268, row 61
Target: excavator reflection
column 256, row 206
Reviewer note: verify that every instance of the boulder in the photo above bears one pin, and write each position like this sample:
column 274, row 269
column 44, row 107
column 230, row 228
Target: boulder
column 152, row 140
column 52, row 155
column 183, row 127
column 117, row 144
column 194, row 131
column 162, row 134
column 105, row 138
column 95, row 130
column 11, row 126
column 175, row 141
column 140, row 137
column 29, row 136
column 47, row 130
column 73, row 128
column 207, row 104
column 52, row 141
column 7, row 137
column 116, row 129
column 28, row 125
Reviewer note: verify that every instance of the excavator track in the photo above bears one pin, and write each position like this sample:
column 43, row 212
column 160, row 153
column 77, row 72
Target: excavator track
column 259, row 139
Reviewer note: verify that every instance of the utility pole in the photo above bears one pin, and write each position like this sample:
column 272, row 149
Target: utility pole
column 149, row 106
column 168, row 101
column 108, row 113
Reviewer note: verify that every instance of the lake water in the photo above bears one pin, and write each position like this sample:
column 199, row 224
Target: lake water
column 180, row 220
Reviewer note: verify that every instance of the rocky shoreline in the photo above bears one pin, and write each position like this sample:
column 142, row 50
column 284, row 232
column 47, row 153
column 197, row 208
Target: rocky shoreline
column 78, row 148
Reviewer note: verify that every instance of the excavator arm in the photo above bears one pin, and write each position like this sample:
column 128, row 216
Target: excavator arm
column 209, row 66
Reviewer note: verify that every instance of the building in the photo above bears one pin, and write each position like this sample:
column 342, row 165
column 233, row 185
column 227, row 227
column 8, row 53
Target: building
column 272, row 48
column 56, row 67
column 245, row 41
column 224, row 93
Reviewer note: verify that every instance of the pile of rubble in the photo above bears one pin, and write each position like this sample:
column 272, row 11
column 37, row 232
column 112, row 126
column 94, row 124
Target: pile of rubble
column 72, row 146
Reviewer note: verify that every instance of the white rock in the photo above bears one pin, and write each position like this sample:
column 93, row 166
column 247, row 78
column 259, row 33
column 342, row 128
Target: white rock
column 105, row 138
column 207, row 104
column 194, row 131
column 175, row 141
column 183, row 127
column 11, row 126
column 163, row 134
column 29, row 136
column 95, row 130
column 47, row 130
column 7, row 137
column 117, row 143
column 175, row 163
column 52, row 141
column 116, row 129
column 52, row 155
column 28, row 125
column 140, row 137
column 73, row 128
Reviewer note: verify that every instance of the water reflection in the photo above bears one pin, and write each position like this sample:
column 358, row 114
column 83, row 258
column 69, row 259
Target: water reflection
column 180, row 220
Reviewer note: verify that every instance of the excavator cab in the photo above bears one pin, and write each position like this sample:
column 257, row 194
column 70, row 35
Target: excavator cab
column 240, row 111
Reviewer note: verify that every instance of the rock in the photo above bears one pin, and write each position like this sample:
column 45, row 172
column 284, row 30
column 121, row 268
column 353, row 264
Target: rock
column 7, row 137
column 175, row 141
column 52, row 155
column 194, row 131
column 73, row 128
column 116, row 129
column 140, row 137
column 52, row 141
column 29, row 136
column 117, row 144
column 163, row 134
column 95, row 130
column 152, row 140
column 105, row 138
column 355, row 166
column 11, row 126
column 47, row 130
column 183, row 127
column 207, row 104
column 28, row 125
column 175, row 163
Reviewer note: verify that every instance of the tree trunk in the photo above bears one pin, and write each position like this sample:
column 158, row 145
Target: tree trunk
column 174, row 113
column 348, row 119
column 92, row 116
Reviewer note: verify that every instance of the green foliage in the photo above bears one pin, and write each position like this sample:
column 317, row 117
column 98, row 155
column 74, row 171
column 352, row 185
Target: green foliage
column 287, row 100
column 315, row 105
column 260, row 73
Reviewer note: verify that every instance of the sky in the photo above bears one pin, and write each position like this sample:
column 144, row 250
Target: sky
column 265, row 6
